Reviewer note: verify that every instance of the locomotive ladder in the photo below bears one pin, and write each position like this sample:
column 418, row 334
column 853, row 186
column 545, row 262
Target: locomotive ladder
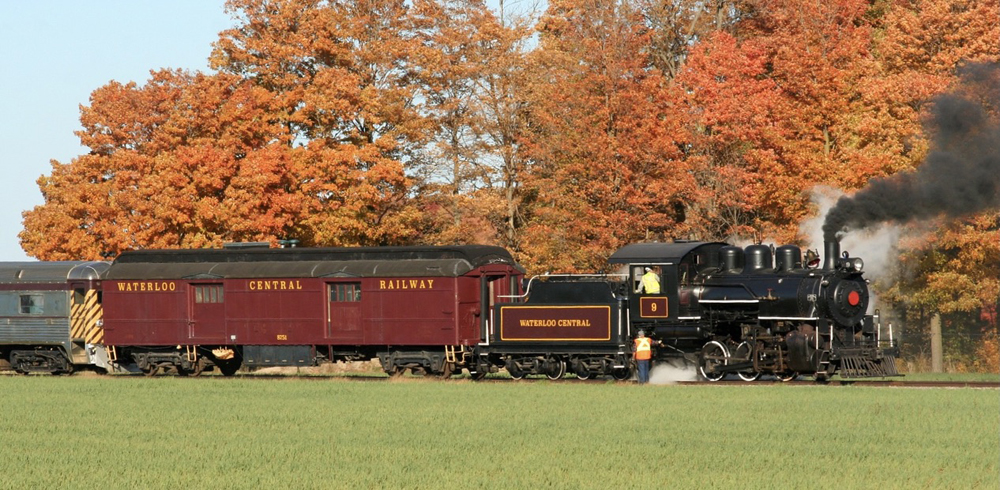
column 191, row 351
column 449, row 354
column 823, row 366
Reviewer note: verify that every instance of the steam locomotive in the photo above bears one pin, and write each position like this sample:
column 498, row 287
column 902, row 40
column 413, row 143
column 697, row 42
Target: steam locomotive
column 724, row 309
column 439, row 310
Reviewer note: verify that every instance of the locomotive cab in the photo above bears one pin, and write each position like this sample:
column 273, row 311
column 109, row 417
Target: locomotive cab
column 673, row 313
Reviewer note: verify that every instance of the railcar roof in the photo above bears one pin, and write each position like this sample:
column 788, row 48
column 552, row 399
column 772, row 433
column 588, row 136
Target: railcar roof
column 51, row 272
column 649, row 253
column 449, row 261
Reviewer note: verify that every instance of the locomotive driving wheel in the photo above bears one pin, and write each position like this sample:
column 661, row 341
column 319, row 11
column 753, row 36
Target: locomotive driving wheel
column 744, row 352
column 714, row 355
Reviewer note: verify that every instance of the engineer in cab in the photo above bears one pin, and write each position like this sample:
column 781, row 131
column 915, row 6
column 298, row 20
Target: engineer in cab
column 650, row 282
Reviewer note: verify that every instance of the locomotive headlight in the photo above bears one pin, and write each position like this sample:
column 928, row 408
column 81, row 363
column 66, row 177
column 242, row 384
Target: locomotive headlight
column 857, row 264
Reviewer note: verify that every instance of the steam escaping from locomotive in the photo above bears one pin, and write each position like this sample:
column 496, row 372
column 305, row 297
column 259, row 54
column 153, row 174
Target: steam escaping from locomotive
column 960, row 176
column 668, row 374
column 876, row 243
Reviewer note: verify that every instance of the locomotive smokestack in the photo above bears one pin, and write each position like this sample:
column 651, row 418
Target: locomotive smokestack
column 831, row 250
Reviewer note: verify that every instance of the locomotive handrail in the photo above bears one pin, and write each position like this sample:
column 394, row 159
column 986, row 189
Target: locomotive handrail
column 527, row 290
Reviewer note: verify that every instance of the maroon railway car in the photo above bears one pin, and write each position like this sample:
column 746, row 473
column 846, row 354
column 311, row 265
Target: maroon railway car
column 419, row 308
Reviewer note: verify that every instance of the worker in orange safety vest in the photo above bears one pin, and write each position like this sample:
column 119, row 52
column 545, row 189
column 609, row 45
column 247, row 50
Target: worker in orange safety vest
column 643, row 355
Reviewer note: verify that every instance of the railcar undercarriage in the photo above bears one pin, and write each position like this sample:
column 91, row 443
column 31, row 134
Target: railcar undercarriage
column 53, row 361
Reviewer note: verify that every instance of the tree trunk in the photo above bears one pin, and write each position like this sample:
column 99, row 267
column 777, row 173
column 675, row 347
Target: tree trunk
column 937, row 349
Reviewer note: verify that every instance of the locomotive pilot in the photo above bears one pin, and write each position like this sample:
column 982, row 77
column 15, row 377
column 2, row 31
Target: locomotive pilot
column 643, row 353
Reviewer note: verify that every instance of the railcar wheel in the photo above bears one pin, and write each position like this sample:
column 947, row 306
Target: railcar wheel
column 152, row 370
column 787, row 376
column 582, row 373
column 743, row 353
column 514, row 371
column 555, row 369
column 478, row 369
column 621, row 374
column 713, row 355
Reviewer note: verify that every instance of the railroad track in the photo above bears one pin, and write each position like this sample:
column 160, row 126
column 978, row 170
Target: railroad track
column 865, row 383
column 878, row 383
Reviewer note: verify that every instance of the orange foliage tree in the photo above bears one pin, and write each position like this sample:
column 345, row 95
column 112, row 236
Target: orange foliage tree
column 606, row 166
column 470, row 81
column 184, row 161
column 341, row 75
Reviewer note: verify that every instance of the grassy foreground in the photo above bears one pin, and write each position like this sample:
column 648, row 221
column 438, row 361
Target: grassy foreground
column 92, row 432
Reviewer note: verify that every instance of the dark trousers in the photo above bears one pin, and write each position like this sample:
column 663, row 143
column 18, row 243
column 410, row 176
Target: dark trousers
column 643, row 366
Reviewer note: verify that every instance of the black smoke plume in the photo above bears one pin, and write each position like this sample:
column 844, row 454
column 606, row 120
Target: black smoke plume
column 960, row 176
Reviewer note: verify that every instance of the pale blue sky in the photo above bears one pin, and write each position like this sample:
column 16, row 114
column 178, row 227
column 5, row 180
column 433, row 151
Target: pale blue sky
column 54, row 53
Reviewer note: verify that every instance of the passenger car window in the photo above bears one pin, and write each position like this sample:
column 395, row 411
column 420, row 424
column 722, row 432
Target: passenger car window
column 32, row 304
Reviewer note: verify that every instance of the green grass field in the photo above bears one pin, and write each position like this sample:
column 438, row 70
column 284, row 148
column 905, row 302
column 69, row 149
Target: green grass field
column 134, row 432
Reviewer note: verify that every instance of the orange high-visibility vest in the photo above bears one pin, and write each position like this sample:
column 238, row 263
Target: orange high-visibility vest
column 643, row 349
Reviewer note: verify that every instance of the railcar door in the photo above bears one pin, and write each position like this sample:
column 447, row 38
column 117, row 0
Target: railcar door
column 85, row 320
column 208, row 312
column 343, row 318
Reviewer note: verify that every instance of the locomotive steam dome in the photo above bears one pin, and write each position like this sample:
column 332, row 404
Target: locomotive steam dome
column 758, row 258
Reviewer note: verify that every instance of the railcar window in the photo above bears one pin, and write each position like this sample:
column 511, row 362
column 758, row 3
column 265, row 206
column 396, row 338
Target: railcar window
column 342, row 292
column 32, row 304
column 208, row 294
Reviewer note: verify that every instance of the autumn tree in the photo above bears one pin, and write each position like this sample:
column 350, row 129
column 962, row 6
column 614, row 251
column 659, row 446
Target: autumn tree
column 471, row 80
column 736, row 143
column 184, row 161
column 678, row 25
column 341, row 75
column 605, row 167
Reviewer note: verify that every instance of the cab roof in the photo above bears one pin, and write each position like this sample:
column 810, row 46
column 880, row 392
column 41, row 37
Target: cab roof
column 661, row 253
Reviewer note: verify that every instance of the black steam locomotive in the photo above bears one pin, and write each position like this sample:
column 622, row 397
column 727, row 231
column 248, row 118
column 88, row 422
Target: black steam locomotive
column 727, row 310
